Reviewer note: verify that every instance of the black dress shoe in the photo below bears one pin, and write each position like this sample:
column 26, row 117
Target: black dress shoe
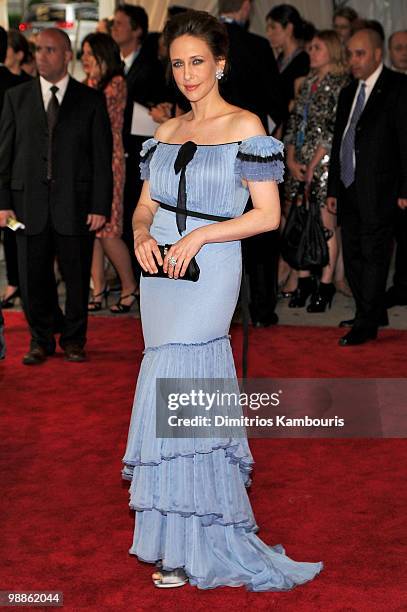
column 383, row 322
column 358, row 336
column 74, row 353
column 394, row 297
column 271, row 320
column 35, row 356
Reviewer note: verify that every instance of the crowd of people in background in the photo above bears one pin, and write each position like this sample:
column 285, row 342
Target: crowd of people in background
column 304, row 84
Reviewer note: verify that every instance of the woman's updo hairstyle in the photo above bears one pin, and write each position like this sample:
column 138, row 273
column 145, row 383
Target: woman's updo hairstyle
column 201, row 25
column 285, row 14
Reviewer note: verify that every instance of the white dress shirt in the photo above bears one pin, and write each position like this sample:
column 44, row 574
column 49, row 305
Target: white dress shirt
column 129, row 59
column 47, row 93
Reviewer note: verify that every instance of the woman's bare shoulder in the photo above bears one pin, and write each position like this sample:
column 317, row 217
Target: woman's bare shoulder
column 166, row 130
column 245, row 124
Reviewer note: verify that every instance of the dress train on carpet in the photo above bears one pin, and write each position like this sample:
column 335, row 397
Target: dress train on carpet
column 189, row 494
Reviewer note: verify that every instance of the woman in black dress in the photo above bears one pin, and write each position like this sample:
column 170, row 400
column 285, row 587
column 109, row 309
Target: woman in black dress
column 287, row 31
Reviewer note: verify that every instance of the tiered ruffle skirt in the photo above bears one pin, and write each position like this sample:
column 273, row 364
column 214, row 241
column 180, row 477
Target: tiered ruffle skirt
column 189, row 494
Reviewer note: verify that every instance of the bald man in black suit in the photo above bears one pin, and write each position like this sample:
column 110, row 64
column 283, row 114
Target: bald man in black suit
column 368, row 178
column 55, row 177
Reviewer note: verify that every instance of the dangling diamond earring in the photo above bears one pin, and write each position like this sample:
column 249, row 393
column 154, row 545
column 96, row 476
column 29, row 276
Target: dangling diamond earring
column 219, row 74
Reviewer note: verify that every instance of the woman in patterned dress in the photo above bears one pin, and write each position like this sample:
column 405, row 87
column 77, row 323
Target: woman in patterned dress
column 308, row 138
column 103, row 67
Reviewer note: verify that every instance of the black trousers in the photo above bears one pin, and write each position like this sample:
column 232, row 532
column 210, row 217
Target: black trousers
column 131, row 195
column 400, row 274
column 366, row 254
column 260, row 256
column 36, row 256
column 10, row 255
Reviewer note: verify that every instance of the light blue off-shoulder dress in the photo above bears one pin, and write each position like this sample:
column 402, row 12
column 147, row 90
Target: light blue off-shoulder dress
column 189, row 495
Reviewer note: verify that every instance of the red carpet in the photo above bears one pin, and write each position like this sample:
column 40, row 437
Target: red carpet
column 65, row 522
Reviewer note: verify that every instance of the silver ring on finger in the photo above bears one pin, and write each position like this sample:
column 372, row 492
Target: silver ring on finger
column 172, row 261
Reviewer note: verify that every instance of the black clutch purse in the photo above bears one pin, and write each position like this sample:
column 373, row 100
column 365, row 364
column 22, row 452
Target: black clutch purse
column 191, row 273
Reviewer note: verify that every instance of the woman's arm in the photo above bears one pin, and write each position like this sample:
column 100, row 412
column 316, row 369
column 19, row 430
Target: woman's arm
column 319, row 154
column 144, row 244
column 264, row 217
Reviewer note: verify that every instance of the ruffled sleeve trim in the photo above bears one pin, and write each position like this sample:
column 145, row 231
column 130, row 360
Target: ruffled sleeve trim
column 146, row 153
column 260, row 158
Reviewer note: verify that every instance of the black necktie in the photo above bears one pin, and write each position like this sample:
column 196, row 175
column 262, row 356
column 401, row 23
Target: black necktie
column 52, row 118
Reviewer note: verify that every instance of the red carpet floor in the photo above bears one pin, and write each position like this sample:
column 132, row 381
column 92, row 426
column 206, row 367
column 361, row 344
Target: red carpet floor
column 65, row 522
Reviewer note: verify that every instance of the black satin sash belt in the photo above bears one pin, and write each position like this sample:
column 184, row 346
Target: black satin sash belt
column 192, row 213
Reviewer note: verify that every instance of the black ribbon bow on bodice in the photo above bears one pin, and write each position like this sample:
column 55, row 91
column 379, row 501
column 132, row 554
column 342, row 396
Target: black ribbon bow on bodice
column 185, row 154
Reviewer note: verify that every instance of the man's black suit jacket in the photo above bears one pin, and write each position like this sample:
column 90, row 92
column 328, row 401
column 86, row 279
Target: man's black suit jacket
column 146, row 85
column 7, row 80
column 380, row 146
column 252, row 80
column 81, row 162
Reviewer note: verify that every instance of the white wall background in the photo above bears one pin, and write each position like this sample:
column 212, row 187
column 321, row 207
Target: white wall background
column 3, row 14
column 392, row 14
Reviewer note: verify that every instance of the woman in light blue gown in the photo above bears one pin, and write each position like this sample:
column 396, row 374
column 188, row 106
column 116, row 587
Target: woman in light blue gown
column 193, row 515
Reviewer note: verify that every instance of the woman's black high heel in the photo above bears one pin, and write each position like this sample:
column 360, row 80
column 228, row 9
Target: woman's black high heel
column 96, row 305
column 322, row 298
column 120, row 308
column 301, row 294
column 8, row 302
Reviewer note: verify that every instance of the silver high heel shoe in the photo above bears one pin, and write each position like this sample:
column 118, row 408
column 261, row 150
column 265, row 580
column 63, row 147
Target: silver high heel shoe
column 170, row 578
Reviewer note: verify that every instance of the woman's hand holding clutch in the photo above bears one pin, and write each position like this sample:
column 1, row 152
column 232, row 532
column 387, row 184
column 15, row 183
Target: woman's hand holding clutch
column 180, row 254
column 147, row 252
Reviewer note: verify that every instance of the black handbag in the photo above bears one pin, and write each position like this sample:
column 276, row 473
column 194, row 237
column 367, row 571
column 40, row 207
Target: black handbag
column 191, row 273
column 304, row 242
column 293, row 232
